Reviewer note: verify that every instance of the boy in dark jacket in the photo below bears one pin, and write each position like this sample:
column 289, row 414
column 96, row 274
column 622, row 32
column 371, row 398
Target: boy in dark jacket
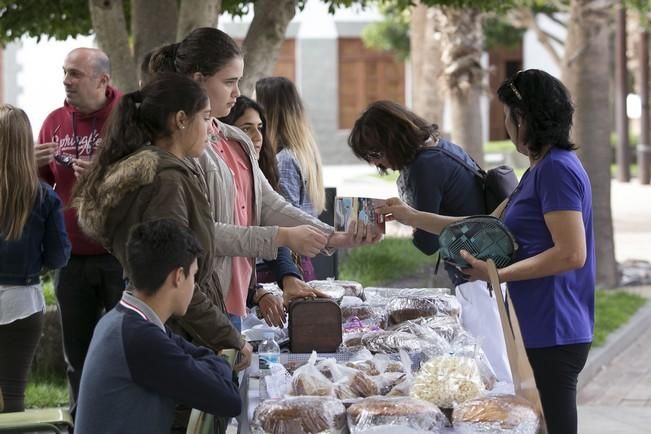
column 137, row 370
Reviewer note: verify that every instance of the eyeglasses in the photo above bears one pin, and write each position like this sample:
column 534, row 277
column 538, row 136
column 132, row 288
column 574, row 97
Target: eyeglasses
column 374, row 155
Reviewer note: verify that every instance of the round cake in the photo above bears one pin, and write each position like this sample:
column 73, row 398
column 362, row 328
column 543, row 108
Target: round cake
column 496, row 414
column 300, row 415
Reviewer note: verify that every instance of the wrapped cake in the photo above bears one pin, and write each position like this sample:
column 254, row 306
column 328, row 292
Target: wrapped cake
column 397, row 415
column 498, row 414
column 300, row 415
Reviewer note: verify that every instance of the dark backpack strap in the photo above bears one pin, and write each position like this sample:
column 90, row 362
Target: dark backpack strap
column 477, row 170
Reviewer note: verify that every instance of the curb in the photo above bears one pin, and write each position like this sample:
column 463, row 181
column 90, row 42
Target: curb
column 615, row 343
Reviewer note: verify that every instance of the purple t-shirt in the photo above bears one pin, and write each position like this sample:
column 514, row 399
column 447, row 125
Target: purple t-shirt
column 559, row 309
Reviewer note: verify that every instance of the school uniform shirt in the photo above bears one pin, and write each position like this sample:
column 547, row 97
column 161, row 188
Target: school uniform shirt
column 137, row 370
column 558, row 309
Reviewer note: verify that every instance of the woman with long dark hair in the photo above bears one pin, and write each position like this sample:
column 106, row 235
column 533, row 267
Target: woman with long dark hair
column 248, row 116
column 32, row 238
column 552, row 281
column 251, row 219
column 145, row 171
column 436, row 176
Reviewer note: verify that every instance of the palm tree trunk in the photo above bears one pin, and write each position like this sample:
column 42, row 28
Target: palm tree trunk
column 586, row 73
column 427, row 67
column 461, row 39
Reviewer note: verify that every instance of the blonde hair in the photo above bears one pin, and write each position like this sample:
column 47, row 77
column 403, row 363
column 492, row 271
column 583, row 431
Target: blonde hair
column 19, row 183
column 287, row 128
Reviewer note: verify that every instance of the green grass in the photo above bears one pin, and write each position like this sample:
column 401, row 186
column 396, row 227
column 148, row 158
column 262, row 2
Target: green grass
column 392, row 176
column 48, row 293
column 499, row 146
column 632, row 170
column 383, row 262
column 50, row 393
column 613, row 309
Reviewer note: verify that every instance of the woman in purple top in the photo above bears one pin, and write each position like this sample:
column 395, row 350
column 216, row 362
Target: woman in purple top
column 552, row 281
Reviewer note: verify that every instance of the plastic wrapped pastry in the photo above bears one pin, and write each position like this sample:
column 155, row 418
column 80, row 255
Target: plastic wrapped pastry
column 351, row 288
column 308, row 380
column 330, row 287
column 448, row 380
column 401, row 414
column 402, row 309
column 300, row 415
column 498, row 414
column 392, row 342
column 348, row 382
column 447, row 327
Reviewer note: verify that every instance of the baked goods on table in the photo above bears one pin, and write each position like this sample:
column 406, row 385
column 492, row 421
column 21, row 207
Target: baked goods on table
column 351, row 288
column 402, row 309
column 448, row 327
column 391, row 342
column 448, row 380
column 400, row 413
column 497, row 414
column 309, row 380
column 300, row 415
column 330, row 287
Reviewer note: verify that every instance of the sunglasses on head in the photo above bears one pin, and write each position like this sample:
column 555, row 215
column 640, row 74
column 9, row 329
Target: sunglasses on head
column 515, row 90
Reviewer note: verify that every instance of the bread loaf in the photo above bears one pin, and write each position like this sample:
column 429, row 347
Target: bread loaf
column 499, row 414
column 399, row 412
column 300, row 415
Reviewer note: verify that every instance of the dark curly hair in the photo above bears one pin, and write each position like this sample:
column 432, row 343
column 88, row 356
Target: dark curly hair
column 267, row 158
column 389, row 129
column 544, row 104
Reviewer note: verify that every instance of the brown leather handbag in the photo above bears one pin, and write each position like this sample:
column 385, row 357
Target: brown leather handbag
column 314, row 325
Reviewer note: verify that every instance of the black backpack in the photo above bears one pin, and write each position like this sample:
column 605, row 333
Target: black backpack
column 498, row 183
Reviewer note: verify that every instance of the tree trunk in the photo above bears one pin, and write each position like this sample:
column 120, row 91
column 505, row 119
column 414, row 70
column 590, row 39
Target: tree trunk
column 197, row 13
column 110, row 28
column 426, row 66
column 586, row 73
column 264, row 38
column 432, row 91
column 461, row 39
column 417, row 54
column 153, row 23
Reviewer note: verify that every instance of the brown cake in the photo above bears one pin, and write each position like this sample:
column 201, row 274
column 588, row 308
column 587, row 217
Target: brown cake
column 392, row 342
column 402, row 309
column 312, row 385
column 300, row 415
column 496, row 413
column 396, row 411
column 366, row 366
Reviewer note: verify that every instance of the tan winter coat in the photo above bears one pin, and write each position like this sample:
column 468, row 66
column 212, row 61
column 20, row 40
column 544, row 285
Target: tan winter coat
column 152, row 184
column 271, row 210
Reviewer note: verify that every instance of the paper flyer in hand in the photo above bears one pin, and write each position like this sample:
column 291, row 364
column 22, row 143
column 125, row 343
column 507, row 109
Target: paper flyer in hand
column 358, row 209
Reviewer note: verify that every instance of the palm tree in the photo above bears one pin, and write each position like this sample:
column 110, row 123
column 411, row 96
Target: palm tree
column 460, row 34
column 426, row 66
column 586, row 73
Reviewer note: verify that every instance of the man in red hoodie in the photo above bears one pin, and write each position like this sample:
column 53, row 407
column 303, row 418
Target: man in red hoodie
column 92, row 282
